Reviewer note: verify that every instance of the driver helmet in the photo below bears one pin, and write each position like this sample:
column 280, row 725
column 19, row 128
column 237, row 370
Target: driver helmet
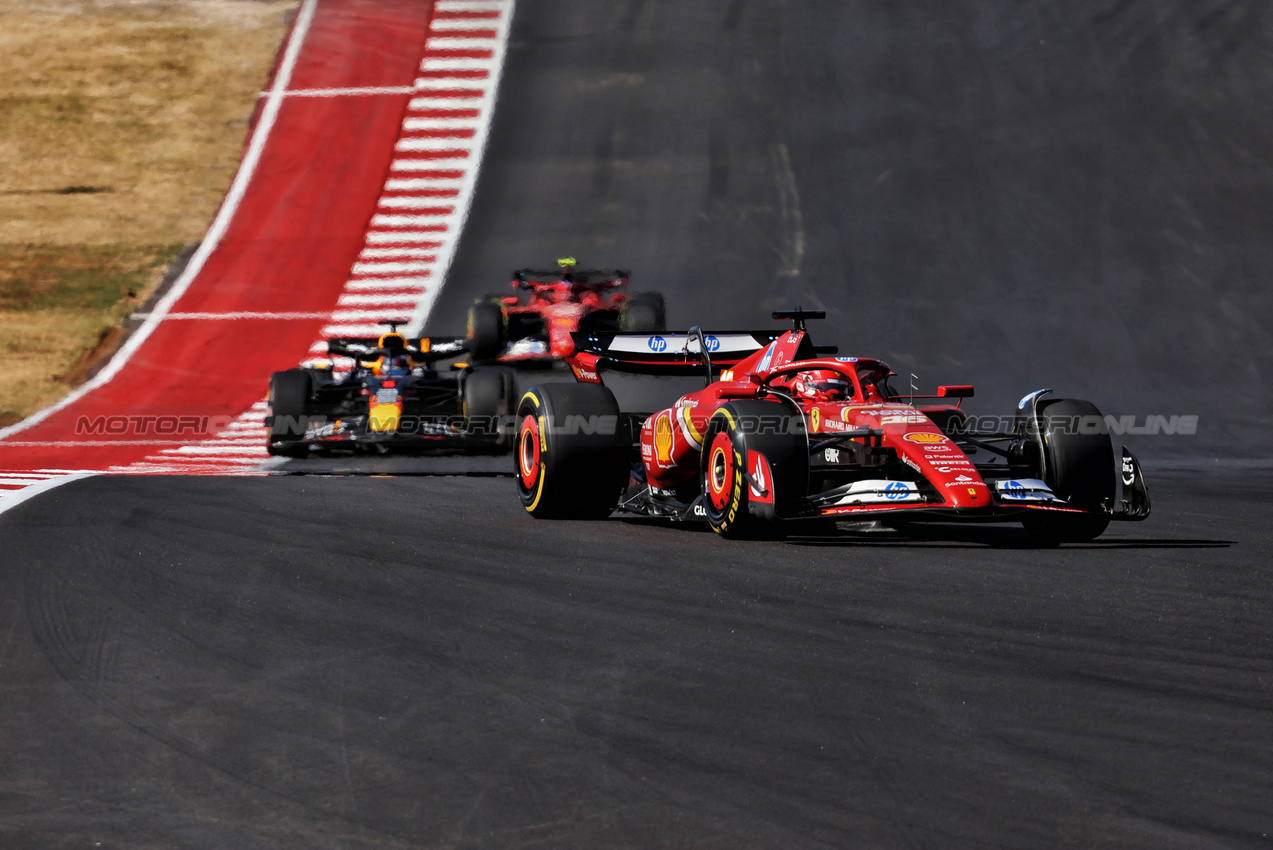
column 822, row 385
column 396, row 367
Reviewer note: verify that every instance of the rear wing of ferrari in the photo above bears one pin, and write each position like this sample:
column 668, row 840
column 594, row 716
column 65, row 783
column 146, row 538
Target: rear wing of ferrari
column 671, row 353
column 572, row 275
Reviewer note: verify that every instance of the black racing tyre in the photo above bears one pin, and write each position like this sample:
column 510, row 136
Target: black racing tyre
column 571, row 459
column 290, row 402
column 1077, row 462
column 645, row 313
column 486, row 402
column 319, row 376
column 735, row 507
column 486, row 333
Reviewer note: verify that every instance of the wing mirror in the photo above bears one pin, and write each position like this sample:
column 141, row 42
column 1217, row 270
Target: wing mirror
column 962, row 391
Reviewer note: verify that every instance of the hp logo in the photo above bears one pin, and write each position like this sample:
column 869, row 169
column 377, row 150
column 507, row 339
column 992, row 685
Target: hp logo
column 896, row 490
column 713, row 343
column 658, row 343
column 1013, row 490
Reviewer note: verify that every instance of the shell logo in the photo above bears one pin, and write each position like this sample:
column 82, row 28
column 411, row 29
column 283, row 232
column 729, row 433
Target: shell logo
column 663, row 438
column 924, row 437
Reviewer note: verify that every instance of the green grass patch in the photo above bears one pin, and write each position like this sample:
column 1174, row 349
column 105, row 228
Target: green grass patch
column 79, row 277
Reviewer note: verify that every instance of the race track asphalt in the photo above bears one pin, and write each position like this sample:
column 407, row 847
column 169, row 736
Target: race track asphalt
column 406, row 662
column 1015, row 195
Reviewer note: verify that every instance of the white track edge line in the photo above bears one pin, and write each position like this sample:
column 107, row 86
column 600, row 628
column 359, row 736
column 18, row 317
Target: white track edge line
column 12, row 500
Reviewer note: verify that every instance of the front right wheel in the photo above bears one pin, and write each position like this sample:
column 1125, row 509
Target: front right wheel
column 1077, row 462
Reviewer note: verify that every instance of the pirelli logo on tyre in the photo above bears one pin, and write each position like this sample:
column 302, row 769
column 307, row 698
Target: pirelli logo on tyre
column 737, row 497
column 923, row 437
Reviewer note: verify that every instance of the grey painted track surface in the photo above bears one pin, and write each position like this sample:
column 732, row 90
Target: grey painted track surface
column 398, row 662
column 1016, row 195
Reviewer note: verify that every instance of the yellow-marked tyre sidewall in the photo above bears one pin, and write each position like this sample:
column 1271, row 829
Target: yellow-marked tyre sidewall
column 582, row 473
column 532, row 497
column 733, row 518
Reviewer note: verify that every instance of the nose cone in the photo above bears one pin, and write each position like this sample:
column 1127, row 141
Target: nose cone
column 966, row 490
column 946, row 467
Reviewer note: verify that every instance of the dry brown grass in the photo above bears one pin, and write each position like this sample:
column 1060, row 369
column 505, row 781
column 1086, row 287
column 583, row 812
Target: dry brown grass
column 121, row 125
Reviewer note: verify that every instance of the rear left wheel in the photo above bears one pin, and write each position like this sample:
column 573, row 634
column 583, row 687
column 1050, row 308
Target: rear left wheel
column 571, row 461
column 486, row 403
column 486, row 332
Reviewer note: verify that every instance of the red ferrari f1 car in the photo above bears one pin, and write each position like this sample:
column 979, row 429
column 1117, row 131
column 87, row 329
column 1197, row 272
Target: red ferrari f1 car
column 537, row 324
column 784, row 432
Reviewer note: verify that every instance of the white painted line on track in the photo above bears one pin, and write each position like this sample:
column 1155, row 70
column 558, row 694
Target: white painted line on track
column 364, row 315
column 458, row 42
column 388, row 268
column 410, row 220
column 431, row 123
column 233, row 315
column 355, row 300
column 217, row 450
column 404, row 237
column 350, row 92
column 466, row 5
column 354, row 330
column 405, row 184
column 434, row 63
column 417, row 202
column 377, row 253
column 385, row 284
column 456, row 101
column 427, row 143
column 9, row 501
column 430, row 164
column 441, row 24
